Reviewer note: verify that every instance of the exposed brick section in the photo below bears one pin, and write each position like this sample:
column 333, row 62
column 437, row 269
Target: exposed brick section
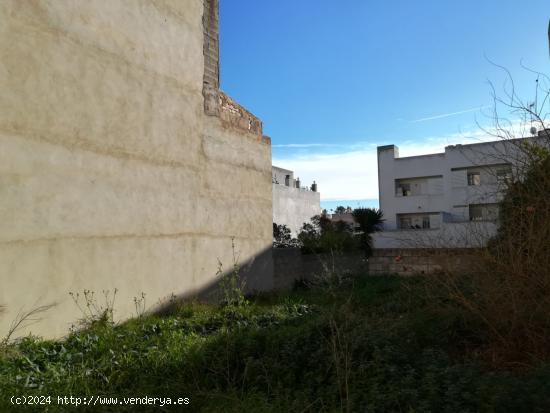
column 411, row 261
column 217, row 103
column 234, row 115
column 211, row 46
column 211, row 50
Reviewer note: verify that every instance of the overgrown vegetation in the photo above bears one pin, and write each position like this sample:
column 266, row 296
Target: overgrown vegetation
column 376, row 344
column 322, row 235
column 332, row 235
column 509, row 294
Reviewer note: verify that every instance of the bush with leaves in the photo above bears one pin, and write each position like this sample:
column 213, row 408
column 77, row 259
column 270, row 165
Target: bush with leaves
column 339, row 210
column 322, row 235
column 282, row 237
column 370, row 221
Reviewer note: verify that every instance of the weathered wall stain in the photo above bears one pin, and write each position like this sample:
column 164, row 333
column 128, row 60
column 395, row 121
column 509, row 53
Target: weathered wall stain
column 112, row 175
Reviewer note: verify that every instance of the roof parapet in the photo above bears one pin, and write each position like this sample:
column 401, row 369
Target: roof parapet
column 385, row 148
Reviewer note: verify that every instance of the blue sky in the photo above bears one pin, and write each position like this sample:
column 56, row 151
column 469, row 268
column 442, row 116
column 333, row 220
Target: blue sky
column 331, row 80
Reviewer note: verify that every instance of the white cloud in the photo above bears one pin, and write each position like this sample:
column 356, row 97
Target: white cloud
column 354, row 174
column 349, row 175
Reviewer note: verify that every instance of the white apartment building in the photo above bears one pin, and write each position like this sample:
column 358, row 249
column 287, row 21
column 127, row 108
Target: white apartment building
column 442, row 200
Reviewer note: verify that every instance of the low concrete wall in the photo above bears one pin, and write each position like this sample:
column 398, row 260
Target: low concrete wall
column 411, row 261
column 291, row 265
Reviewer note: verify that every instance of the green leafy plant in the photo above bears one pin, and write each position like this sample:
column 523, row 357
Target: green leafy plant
column 370, row 220
column 282, row 237
column 341, row 209
column 231, row 283
column 322, row 235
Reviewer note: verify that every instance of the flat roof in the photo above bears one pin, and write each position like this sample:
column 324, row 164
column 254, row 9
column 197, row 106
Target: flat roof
column 421, row 156
column 281, row 169
column 451, row 147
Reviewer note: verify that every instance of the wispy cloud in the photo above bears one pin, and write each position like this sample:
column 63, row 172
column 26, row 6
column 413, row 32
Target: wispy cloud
column 307, row 145
column 358, row 145
column 447, row 115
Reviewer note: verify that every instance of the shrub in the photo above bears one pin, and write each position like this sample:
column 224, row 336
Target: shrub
column 518, row 263
column 510, row 291
column 370, row 221
column 282, row 237
column 322, row 235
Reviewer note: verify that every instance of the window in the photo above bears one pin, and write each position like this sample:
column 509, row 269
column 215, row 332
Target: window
column 425, row 222
column 474, row 179
column 483, row 212
column 504, row 176
column 405, row 223
column 476, row 212
column 427, row 185
column 418, row 221
column 404, row 190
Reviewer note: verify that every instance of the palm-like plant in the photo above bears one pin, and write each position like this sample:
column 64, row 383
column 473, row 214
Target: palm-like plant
column 370, row 221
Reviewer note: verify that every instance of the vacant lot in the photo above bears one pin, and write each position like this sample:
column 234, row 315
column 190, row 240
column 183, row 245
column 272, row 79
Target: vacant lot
column 362, row 345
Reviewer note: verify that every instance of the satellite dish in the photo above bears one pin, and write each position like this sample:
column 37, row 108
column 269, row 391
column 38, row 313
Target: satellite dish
column 533, row 130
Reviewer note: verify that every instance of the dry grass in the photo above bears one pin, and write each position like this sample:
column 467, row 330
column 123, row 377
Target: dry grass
column 22, row 320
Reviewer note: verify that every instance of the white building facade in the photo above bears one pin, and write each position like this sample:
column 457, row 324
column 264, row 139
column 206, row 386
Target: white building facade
column 443, row 200
column 293, row 204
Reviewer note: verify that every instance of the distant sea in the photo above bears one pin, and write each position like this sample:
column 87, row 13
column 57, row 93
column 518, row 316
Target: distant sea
column 353, row 203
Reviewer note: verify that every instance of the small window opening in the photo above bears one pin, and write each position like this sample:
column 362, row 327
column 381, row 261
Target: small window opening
column 474, row 179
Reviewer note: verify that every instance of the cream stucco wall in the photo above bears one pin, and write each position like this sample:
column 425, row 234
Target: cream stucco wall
column 111, row 175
